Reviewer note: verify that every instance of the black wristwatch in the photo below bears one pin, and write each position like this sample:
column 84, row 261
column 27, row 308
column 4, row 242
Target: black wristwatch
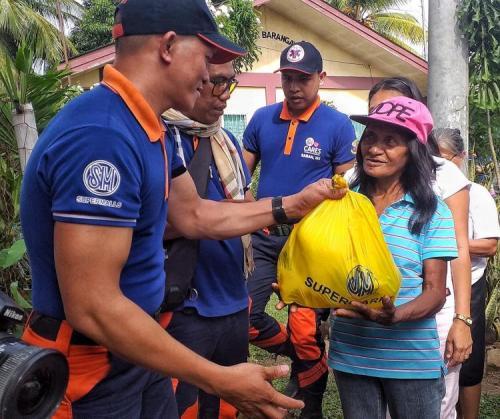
column 279, row 214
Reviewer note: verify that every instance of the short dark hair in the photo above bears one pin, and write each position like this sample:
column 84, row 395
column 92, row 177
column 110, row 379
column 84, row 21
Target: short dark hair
column 131, row 44
column 416, row 180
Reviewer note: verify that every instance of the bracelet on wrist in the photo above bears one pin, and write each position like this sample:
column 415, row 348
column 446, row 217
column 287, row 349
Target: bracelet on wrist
column 466, row 319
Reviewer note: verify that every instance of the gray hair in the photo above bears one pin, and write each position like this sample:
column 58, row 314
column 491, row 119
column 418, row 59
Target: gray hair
column 450, row 139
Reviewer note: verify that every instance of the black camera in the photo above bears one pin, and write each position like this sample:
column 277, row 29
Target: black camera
column 32, row 380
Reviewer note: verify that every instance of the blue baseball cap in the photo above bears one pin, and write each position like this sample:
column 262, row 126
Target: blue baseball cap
column 184, row 17
column 301, row 56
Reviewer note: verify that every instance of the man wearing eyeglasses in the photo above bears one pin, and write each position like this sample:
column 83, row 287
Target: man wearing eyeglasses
column 213, row 320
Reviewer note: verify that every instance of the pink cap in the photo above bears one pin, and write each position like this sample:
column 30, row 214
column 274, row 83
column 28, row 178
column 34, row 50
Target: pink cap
column 403, row 112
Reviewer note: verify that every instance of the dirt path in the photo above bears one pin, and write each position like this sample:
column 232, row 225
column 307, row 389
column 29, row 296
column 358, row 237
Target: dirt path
column 491, row 381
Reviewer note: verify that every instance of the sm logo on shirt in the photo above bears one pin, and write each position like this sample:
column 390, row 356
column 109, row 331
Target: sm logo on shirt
column 311, row 150
column 101, row 178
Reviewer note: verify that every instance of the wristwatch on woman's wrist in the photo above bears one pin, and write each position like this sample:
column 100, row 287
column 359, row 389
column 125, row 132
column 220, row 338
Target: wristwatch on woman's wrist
column 465, row 319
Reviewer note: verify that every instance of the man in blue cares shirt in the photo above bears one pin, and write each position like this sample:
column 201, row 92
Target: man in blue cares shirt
column 297, row 142
column 93, row 210
column 213, row 321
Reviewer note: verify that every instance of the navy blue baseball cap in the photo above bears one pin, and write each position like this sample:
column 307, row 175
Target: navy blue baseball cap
column 184, row 17
column 301, row 56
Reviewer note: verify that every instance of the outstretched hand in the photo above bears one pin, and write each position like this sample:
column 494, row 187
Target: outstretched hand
column 315, row 193
column 248, row 388
column 281, row 304
column 384, row 315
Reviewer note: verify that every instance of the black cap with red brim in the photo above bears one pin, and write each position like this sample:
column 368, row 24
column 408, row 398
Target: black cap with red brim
column 184, row 17
column 225, row 50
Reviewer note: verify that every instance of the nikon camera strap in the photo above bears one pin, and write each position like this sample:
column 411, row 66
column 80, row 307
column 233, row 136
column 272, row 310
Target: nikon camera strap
column 182, row 253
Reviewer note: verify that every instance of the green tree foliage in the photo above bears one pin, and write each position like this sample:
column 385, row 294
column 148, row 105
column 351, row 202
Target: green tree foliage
column 94, row 29
column 20, row 84
column 12, row 267
column 239, row 21
column 32, row 22
column 478, row 133
column 479, row 23
column 399, row 28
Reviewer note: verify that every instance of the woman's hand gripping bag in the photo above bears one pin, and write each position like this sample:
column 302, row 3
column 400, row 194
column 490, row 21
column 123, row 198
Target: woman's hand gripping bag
column 337, row 254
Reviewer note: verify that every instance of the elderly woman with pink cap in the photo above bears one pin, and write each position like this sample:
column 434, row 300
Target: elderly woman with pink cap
column 389, row 357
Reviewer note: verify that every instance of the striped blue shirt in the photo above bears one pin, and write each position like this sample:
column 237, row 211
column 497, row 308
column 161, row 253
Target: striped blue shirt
column 408, row 350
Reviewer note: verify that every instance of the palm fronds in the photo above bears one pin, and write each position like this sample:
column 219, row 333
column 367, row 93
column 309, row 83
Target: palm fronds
column 399, row 25
column 32, row 22
column 400, row 28
column 19, row 84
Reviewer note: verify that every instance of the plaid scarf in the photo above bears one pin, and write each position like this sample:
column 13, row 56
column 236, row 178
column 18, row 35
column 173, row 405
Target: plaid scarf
column 227, row 160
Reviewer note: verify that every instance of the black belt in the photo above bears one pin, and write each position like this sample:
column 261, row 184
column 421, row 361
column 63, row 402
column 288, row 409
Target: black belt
column 48, row 328
column 281, row 229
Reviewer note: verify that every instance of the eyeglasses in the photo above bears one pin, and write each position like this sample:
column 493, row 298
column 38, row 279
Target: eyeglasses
column 447, row 157
column 222, row 85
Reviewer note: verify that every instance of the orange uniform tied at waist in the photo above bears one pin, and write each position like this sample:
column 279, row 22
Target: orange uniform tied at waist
column 337, row 254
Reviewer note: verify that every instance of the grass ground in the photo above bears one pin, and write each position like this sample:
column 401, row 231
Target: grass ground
column 490, row 403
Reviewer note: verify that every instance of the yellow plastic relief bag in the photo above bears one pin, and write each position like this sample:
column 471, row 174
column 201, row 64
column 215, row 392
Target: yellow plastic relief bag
column 337, row 254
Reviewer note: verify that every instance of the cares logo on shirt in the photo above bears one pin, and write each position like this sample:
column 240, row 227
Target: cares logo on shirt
column 311, row 150
column 101, row 178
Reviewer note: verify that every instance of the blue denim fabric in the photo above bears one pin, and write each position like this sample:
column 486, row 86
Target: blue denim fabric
column 128, row 392
column 365, row 397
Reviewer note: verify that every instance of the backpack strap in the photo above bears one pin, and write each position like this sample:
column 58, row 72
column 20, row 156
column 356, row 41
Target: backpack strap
column 181, row 253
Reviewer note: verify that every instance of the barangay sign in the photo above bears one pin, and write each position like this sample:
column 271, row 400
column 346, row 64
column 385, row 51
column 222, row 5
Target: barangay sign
column 277, row 37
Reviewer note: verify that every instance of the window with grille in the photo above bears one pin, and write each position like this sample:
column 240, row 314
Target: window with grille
column 236, row 124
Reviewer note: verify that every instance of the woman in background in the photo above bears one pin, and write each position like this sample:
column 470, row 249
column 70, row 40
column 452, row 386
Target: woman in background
column 484, row 231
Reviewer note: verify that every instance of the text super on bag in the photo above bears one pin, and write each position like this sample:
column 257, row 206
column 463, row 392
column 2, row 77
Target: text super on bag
column 337, row 254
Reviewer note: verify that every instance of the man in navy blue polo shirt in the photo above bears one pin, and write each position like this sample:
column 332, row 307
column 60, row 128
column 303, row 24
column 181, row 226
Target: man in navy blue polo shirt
column 214, row 321
column 93, row 209
column 297, row 142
